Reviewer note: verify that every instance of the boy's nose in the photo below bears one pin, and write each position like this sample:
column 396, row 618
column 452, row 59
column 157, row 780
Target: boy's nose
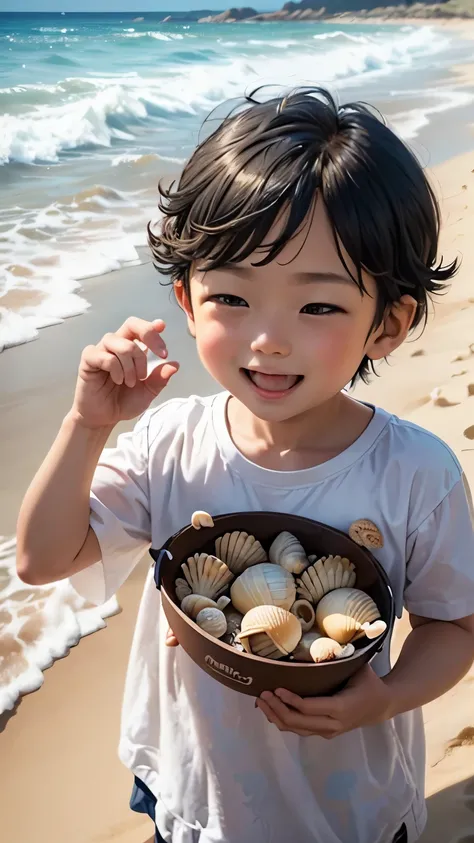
column 266, row 343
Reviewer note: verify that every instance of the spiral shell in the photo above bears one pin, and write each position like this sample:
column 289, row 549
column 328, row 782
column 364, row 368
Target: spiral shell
column 206, row 575
column 270, row 632
column 193, row 603
column 326, row 649
column 303, row 610
column 346, row 614
column 201, row 519
column 263, row 585
column 182, row 589
column 366, row 533
column 324, row 575
column 302, row 653
column 212, row 621
column 239, row 551
column 288, row 552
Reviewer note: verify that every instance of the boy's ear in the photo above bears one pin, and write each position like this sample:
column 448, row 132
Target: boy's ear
column 185, row 304
column 394, row 329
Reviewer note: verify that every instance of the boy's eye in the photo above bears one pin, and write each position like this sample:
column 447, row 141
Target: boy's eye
column 320, row 309
column 229, row 300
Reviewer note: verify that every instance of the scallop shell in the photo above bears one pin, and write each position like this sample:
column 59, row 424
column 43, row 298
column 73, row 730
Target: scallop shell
column 324, row 575
column 326, row 649
column 193, row 603
column 206, row 575
column 263, row 585
column 270, row 631
column 346, row 614
column 182, row 589
column 288, row 552
column 239, row 551
column 303, row 610
column 212, row 621
column 302, row 652
column 366, row 533
column 201, row 519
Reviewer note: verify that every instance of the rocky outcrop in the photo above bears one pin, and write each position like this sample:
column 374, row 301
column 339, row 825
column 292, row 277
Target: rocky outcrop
column 231, row 16
column 306, row 10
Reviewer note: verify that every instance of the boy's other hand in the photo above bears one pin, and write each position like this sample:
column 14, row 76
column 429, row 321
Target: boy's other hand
column 364, row 701
column 171, row 640
column 113, row 383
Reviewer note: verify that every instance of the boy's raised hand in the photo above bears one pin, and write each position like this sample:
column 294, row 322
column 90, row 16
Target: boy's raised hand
column 112, row 383
column 364, row 701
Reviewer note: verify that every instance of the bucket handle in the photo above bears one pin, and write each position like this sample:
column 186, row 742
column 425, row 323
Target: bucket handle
column 158, row 556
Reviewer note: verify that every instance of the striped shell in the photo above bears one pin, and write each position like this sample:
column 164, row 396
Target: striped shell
column 288, row 552
column 212, row 621
column 303, row 610
column 346, row 614
column 366, row 533
column 324, row 575
column 182, row 589
column 206, row 575
column 263, row 585
column 239, row 551
column 325, row 650
column 193, row 603
column 270, row 632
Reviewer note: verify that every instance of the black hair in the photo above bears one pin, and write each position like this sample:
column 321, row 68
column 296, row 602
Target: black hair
column 278, row 155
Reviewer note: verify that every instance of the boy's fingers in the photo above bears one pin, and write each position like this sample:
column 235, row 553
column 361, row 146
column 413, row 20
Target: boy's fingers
column 146, row 332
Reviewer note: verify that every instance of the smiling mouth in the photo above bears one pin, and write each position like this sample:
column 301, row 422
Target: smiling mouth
column 272, row 383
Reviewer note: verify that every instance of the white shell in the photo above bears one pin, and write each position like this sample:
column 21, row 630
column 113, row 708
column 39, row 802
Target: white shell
column 303, row 610
column 263, row 585
column 288, row 552
column 326, row 649
column 366, row 533
column 346, row 614
column 182, row 589
column 193, row 603
column 206, row 575
column 239, row 551
column 302, row 652
column 269, row 628
column 201, row 519
column 324, row 575
column 212, row 621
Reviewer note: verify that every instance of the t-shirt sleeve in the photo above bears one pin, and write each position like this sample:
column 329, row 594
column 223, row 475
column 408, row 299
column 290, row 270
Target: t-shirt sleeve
column 119, row 514
column 440, row 552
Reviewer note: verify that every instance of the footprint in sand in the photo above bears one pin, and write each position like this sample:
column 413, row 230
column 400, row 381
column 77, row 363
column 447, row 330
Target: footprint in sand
column 469, row 432
column 420, row 352
column 459, row 374
column 440, row 400
column 464, row 355
column 470, row 389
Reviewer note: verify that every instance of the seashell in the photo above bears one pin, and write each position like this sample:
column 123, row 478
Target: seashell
column 201, row 519
column 234, row 620
column 263, row 585
column 212, row 621
column 223, row 602
column 326, row 649
column 288, row 552
column 193, row 603
column 302, row 652
column 206, row 575
column 182, row 589
column 270, row 632
column 325, row 575
column 346, row 614
column 239, row 551
column 366, row 533
column 303, row 610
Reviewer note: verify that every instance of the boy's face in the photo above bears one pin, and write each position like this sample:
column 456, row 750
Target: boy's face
column 287, row 337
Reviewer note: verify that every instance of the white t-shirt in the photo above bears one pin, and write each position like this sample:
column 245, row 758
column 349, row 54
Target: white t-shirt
column 221, row 773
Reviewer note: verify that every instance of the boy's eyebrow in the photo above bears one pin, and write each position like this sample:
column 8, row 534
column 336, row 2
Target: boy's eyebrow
column 298, row 277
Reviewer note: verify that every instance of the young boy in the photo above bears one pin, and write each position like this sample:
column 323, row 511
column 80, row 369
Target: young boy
column 302, row 242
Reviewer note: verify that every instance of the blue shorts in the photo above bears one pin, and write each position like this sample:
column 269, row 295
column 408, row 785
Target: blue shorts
column 143, row 801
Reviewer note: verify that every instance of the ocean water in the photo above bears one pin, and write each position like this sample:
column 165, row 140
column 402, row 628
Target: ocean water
column 94, row 109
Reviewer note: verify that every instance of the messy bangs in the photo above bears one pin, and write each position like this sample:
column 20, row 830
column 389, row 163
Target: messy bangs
column 270, row 161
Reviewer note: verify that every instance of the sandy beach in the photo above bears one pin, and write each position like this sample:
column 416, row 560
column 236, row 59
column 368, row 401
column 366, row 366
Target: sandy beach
column 61, row 778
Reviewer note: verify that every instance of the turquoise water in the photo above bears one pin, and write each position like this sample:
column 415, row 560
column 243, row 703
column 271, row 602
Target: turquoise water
column 95, row 108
